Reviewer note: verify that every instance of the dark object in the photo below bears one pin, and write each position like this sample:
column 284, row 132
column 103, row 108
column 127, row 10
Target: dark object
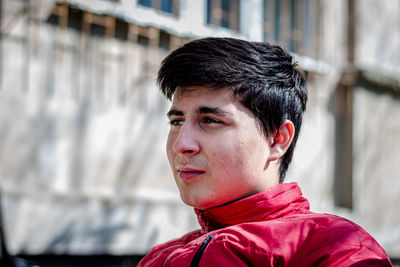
column 199, row 253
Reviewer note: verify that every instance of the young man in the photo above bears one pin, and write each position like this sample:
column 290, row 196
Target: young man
column 236, row 114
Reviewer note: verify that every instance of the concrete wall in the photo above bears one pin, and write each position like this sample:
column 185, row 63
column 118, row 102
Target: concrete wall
column 376, row 165
column 82, row 161
column 376, row 122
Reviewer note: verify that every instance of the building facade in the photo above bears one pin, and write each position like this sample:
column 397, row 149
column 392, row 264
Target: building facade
column 83, row 127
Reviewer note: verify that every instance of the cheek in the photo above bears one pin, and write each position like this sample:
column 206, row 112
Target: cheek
column 228, row 157
column 241, row 156
column 169, row 147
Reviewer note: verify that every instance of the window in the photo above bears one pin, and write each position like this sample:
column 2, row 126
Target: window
column 145, row 3
column 167, row 6
column 223, row 13
column 294, row 24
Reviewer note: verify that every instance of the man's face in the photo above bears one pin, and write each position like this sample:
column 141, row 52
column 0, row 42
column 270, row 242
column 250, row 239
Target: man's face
column 216, row 148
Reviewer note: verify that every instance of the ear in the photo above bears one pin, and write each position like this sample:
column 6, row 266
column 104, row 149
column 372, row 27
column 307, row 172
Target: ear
column 281, row 140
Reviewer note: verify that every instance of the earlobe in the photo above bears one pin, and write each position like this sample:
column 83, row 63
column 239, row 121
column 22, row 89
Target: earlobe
column 282, row 140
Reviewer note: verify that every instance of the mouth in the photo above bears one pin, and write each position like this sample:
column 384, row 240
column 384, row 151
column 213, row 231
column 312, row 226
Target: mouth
column 188, row 174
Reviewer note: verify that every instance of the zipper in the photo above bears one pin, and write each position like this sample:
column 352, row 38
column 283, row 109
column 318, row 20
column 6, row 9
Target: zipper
column 204, row 222
column 197, row 257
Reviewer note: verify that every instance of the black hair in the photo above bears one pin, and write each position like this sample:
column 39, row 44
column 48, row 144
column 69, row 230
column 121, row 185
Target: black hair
column 263, row 76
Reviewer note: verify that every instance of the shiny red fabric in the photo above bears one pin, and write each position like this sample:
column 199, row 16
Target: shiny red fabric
column 271, row 228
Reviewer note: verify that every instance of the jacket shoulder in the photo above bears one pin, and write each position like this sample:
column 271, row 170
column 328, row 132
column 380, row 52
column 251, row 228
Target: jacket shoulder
column 332, row 239
column 159, row 253
column 306, row 239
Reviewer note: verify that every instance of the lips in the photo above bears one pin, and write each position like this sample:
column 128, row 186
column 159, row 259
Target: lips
column 189, row 174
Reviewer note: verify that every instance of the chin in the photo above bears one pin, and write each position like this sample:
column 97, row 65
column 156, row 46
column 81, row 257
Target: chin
column 194, row 204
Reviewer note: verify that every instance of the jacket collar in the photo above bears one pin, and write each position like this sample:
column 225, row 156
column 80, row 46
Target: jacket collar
column 275, row 202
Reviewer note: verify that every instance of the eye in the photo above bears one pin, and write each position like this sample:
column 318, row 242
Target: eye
column 176, row 122
column 210, row 120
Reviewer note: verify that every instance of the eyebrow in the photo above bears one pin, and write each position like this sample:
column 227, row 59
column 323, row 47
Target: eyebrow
column 174, row 112
column 214, row 110
column 202, row 110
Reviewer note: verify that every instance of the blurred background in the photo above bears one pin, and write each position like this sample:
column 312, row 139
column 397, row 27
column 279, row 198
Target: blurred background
column 83, row 169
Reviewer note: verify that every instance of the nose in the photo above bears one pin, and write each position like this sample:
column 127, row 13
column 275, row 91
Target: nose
column 186, row 141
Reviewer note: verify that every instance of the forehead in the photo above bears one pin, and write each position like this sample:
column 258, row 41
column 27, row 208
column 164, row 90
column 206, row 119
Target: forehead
column 194, row 96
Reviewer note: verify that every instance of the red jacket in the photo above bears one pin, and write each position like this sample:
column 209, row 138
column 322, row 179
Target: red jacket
column 271, row 228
